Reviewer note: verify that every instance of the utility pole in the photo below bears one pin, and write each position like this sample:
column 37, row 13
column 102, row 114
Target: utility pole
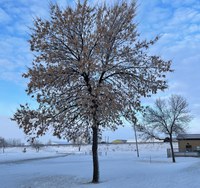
column 137, row 149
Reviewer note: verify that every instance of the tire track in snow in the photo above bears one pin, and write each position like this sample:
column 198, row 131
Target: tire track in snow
column 19, row 161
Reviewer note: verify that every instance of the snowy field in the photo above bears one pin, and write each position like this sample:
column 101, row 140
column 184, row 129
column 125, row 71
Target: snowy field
column 66, row 167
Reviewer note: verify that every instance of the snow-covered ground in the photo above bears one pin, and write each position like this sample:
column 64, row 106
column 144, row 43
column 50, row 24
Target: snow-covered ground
column 66, row 167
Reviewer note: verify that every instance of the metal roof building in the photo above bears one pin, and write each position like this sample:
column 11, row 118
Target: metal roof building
column 188, row 142
column 188, row 136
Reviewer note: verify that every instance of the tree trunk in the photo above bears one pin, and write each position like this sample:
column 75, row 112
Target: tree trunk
column 172, row 149
column 95, row 155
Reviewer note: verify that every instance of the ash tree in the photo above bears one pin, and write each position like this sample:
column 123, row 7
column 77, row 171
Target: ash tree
column 89, row 69
column 167, row 118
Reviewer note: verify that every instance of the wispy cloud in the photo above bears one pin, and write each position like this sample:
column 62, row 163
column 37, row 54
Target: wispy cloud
column 178, row 24
column 15, row 18
column 4, row 17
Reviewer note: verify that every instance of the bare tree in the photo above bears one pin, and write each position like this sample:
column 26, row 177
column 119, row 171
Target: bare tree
column 89, row 66
column 36, row 144
column 167, row 118
column 3, row 144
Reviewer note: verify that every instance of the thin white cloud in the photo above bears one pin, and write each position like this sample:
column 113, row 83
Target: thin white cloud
column 4, row 17
column 9, row 129
column 14, row 57
column 6, row 65
column 176, row 87
column 179, row 27
column 178, row 3
column 184, row 16
column 194, row 28
column 194, row 126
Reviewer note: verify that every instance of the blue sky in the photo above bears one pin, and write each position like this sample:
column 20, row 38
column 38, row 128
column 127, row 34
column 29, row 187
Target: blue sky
column 176, row 21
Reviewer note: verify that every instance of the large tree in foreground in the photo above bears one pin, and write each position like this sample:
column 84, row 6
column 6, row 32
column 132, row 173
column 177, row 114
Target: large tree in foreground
column 89, row 70
column 167, row 118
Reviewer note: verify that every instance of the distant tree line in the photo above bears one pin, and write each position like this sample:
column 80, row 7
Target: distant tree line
column 10, row 142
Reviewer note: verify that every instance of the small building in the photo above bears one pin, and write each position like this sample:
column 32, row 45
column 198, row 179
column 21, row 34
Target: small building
column 131, row 141
column 188, row 142
column 59, row 142
column 118, row 141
